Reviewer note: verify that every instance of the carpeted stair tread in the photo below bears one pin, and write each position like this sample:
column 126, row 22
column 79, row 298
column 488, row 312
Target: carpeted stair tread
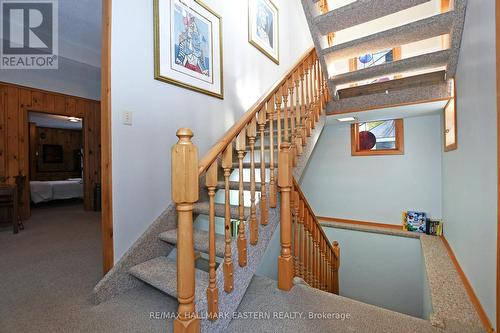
column 420, row 62
column 203, row 208
column 161, row 273
column 200, row 237
column 359, row 12
column 412, row 32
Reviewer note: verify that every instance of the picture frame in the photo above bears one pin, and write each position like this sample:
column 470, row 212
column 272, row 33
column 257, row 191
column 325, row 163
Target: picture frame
column 188, row 46
column 263, row 28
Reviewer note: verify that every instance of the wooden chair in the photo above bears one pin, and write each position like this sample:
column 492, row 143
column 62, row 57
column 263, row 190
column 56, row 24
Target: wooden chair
column 9, row 200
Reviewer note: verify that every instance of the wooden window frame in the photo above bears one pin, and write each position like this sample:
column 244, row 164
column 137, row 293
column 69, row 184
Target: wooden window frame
column 454, row 145
column 399, row 150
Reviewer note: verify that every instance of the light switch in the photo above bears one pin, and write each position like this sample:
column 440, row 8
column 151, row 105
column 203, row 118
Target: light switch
column 127, row 118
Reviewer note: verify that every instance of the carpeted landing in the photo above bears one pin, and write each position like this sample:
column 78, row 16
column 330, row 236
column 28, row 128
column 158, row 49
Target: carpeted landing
column 48, row 271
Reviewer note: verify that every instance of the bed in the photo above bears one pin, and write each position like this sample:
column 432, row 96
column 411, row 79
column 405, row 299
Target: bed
column 43, row 191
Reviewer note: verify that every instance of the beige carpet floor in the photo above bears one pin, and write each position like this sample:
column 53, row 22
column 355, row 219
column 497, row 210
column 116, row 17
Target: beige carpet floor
column 48, row 271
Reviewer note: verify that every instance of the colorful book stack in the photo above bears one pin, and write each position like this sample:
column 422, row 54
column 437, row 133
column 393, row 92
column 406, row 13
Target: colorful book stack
column 419, row 222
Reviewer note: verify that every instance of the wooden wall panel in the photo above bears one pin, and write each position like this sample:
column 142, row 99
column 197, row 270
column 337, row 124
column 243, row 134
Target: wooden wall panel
column 15, row 103
column 3, row 134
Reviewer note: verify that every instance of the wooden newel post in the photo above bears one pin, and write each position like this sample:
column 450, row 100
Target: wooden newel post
column 285, row 260
column 185, row 193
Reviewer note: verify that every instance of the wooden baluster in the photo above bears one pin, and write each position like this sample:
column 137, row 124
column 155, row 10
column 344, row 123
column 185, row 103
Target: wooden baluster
column 308, row 97
column 286, row 118
column 296, row 223
column 318, row 91
column 323, row 262
column 277, row 99
column 212, row 290
column 227, row 164
column 263, row 195
column 329, row 276
column 313, row 93
column 318, row 251
column 310, row 116
column 273, row 195
column 242, row 241
column 316, row 255
column 328, row 284
column 321, row 92
column 307, row 256
column 302, row 239
column 336, row 250
column 311, row 265
column 303, row 102
column 185, row 190
column 285, row 260
column 298, row 127
column 292, row 121
column 254, row 227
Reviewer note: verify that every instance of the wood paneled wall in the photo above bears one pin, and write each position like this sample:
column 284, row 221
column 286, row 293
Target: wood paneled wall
column 15, row 104
column 71, row 143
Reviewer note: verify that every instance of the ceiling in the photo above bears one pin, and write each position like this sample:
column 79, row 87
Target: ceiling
column 80, row 30
column 398, row 112
column 53, row 121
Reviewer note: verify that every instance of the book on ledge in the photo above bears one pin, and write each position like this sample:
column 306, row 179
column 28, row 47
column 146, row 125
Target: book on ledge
column 419, row 222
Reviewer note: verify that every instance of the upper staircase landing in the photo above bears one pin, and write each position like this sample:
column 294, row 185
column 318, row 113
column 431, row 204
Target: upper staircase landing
column 366, row 42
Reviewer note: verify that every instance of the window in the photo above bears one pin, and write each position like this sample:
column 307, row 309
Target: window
column 383, row 137
column 450, row 123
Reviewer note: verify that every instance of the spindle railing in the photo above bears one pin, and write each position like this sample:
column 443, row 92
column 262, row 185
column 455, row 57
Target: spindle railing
column 316, row 260
column 286, row 116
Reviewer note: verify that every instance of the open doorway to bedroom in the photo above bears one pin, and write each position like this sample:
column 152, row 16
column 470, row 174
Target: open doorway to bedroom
column 56, row 156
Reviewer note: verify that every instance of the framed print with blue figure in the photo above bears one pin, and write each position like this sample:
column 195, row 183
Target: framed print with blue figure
column 263, row 28
column 188, row 46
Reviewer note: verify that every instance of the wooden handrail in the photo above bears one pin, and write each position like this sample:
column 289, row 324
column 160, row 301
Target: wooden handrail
column 315, row 218
column 247, row 117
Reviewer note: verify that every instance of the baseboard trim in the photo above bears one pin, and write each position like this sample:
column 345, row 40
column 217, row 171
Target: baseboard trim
column 468, row 287
column 365, row 223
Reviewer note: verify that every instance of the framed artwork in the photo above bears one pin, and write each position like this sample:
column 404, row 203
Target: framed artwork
column 263, row 28
column 188, row 46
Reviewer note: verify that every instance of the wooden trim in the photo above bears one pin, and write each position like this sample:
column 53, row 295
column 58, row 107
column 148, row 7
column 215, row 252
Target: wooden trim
column 42, row 91
column 363, row 223
column 468, row 287
column 228, row 137
column 399, row 150
column 106, row 171
column 445, row 5
column 388, row 106
column 498, row 160
column 454, row 145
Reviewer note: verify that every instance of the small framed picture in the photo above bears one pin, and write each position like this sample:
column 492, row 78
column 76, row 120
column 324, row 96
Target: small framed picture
column 263, row 27
column 188, row 46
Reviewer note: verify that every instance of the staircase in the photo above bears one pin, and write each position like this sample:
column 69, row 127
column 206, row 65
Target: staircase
column 228, row 205
column 422, row 52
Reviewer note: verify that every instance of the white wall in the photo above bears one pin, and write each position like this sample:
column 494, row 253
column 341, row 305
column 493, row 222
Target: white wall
column 141, row 152
column 376, row 188
column 470, row 172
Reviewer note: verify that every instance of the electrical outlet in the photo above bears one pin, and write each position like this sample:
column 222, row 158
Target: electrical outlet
column 127, row 118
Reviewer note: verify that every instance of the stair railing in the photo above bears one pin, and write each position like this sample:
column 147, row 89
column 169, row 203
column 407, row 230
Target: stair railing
column 295, row 118
column 316, row 259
